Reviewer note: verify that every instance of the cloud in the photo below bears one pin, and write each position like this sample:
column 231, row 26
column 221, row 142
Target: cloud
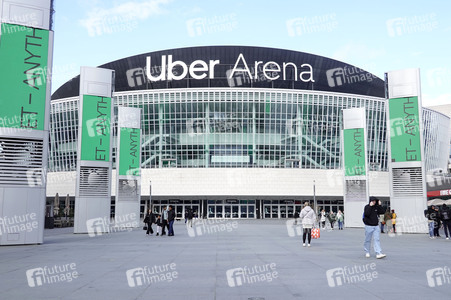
column 101, row 20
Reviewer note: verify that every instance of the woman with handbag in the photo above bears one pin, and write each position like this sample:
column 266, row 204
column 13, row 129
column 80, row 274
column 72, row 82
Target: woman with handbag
column 308, row 218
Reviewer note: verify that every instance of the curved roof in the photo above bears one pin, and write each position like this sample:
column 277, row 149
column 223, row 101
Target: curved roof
column 286, row 70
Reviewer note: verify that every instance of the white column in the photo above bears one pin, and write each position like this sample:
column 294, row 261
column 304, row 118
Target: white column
column 93, row 189
column 26, row 53
column 355, row 165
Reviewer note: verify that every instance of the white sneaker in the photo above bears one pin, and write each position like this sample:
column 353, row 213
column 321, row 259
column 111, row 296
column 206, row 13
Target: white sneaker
column 308, row 245
column 447, row 238
column 303, row 245
column 380, row 255
column 367, row 255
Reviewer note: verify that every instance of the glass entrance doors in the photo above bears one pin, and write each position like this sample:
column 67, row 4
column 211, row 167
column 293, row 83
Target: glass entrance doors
column 280, row 209
column 231, row 209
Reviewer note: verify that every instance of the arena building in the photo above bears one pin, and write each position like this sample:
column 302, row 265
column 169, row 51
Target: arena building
column 240, row 132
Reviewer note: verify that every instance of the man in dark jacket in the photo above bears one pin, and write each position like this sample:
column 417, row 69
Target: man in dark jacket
column 446, row 219
column 372, row 229
column 171, row 218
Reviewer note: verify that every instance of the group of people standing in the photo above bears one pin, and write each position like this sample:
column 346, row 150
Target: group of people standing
column 388, row 221
column 437, row 218
column 332, row 217
column 164, row 221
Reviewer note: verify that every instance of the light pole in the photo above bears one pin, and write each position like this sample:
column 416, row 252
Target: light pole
column 149, row 205
column 314, row 197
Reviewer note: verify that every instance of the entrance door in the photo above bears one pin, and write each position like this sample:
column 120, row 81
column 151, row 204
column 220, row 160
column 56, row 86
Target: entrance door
column 235, row 211
column 283, row 211
column 219, row 211
column 251, row 212
column 243, row 214
column 227, row 211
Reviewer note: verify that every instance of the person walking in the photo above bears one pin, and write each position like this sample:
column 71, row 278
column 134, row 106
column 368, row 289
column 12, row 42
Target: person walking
column 372, row 230
column 171, row 218
column 149, row 220
column 382, row 222
column 159, row 224
column 387, row 220
column 446, row 219
column 332, row 219
column 323, row 219
column 308, row 218
column 189, row 217
column 429, row 214
column 437, row 222
column 393, row 220
column 340, row 219
column 164, row 220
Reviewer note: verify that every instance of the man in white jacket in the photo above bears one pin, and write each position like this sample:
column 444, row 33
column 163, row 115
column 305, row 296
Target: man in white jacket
column 308, row 218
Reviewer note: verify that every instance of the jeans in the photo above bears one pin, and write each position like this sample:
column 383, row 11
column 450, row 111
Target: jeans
column 340, row 224
column 372, row 232
column 171, row 229
column 431, row 228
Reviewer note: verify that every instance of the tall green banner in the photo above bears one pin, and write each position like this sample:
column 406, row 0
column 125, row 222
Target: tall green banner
column 23, row 76
column 404, row 129
column 130, row 155
column 354, row 152
column 95, row 138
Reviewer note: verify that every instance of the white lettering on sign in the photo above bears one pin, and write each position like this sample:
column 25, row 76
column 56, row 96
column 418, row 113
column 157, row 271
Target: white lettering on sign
column 199, row 69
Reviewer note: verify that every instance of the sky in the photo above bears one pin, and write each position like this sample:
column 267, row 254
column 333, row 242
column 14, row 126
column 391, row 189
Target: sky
column 377, row 36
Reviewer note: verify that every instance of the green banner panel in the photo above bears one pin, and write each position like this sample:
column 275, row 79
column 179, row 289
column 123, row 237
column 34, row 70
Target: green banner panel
column 23, row 76
column 354, row 152
column 404, row 129
column 95, row 138
column 130, row 154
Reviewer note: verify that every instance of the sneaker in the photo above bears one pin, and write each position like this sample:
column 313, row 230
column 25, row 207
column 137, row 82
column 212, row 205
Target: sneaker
column 303, row 245
column 308, row 245
column 447, row 238
column 367, row 255
column 380, row 255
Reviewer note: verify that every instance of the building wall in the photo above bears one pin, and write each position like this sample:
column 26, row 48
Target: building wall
column 234, row 182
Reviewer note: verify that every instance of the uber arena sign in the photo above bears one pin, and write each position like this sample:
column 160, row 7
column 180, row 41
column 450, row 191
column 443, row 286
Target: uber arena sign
column 199, row 69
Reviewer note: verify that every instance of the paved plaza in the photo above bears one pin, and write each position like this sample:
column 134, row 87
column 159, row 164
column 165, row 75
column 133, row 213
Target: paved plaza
column 232, row 259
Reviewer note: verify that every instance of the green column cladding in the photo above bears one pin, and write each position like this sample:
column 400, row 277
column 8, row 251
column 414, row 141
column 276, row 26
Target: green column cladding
column 404, row 129
column 130, row 156
column 354, row 152
column 23, row 76
column 95, row 139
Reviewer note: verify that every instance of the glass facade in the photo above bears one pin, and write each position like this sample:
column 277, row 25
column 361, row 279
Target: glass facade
column 231, row 128
column 243, row 128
